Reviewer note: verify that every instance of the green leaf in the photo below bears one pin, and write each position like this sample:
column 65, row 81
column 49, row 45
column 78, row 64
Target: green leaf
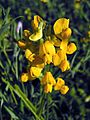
column 11, row 112
column 27, row 102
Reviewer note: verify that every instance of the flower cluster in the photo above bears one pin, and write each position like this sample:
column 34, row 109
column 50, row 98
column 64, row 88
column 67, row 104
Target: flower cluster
column 45, row 46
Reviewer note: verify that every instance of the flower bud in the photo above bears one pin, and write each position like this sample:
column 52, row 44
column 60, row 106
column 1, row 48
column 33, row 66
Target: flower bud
column 24, row 77
column 21, row 44
column 59, row 84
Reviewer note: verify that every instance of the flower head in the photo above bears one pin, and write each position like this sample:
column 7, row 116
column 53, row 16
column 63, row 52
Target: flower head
column 59, row 84
column 42, row 47
column 37, row 25
column 60, row 25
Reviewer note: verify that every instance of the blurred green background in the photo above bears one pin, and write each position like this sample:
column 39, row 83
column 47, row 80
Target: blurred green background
column 76, row 104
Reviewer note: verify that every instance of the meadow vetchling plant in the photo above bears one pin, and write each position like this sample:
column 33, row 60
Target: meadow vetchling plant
column 44, row 46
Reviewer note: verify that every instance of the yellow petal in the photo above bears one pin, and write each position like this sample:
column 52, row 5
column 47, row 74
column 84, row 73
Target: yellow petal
column 61, row 54
column 56, row 59
column 42, row 50
column 36, row 21
column 63, row 45
column 59, row 84
column 36, row 36
column 29, row 55
column 60, row 25
column 71, row 48
column 48, row 79
column 64, row 89
column 64, row 65
column 21, row 44
column 49, row 48
column 35, row 71
column 24, row 77
column 66, row 33
column 47, row 58
column 48, row 88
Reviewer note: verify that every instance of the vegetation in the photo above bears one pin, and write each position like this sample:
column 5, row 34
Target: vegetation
column 26, row 100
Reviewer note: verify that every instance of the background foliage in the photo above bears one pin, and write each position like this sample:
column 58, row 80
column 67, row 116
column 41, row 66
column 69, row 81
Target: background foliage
column 13, row 94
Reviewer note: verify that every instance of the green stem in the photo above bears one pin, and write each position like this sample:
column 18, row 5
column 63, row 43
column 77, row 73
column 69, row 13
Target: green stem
column 47, row 107
column 9, row 62
column 42, row 101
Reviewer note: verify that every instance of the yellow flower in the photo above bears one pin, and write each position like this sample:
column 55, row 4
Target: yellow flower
column 48, row 79
column 48, row 88
column 64, row 89
column 21, row 44
column 37, row 25
column 24, row 77
column 56, row 59
column 64, row 65
column 71, row 48
column 60, row 25
column 35, row 72
column 59, row 84
column 68, row 48
column 29, row 55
